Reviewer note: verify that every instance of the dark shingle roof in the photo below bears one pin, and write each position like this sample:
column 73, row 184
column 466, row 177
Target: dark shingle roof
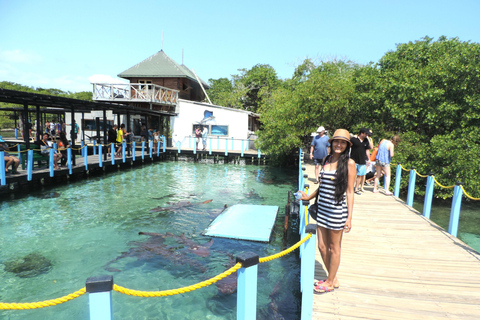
column 159, row 66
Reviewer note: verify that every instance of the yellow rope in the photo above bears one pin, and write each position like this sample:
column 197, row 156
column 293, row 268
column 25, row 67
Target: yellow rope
column 403, row 167
column 445, row 187
column 41, row 304
column 419, row 174
column 286, row 251
column 149, row 294
column 467, row 195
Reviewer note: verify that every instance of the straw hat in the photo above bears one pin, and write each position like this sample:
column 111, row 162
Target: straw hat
column 340, row 134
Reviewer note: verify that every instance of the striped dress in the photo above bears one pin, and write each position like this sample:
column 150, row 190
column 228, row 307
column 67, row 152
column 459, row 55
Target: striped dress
column 330, row 215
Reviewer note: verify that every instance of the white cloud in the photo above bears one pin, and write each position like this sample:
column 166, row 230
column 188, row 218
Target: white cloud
column 19, row 56
column 104, row 78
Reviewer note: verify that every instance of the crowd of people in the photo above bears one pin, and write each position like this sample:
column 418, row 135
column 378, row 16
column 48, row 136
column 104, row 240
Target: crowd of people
column 341, row 164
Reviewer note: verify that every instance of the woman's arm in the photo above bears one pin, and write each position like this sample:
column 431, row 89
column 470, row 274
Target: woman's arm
column 352, row 172
column 391, row 149
column 308, row 197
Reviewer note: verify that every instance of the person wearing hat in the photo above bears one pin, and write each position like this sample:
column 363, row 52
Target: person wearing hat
column 319, row 149
column 361, row 155
column 335, row 206
column 9, row 159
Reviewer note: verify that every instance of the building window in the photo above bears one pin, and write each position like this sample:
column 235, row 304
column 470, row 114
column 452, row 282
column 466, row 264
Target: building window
column 217, row 130
column 147, row 82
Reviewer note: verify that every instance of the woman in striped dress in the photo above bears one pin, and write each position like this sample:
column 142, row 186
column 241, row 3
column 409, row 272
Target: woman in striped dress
column 335, row 205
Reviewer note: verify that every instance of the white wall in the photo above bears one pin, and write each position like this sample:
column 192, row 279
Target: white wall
column 190, row 113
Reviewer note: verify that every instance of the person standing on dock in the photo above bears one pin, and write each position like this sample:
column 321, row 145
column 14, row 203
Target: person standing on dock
column 361, row 155
column 198, row 135
column 384, row 157
column 204, row 137
column 335, row 206
column 319, row 150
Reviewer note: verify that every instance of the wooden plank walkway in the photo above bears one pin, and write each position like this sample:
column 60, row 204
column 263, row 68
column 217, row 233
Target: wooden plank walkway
column 396, row 264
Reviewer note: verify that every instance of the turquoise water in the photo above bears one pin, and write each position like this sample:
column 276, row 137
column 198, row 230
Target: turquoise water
column 82, row 226
column 469, row 224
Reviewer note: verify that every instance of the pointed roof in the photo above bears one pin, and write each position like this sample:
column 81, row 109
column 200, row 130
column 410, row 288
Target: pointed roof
column 160, row 65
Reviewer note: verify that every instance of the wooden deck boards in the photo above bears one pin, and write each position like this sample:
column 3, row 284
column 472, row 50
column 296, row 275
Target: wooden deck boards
column 396, row 264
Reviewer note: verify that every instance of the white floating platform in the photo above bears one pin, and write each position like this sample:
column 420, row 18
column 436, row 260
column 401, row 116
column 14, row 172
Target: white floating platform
column 244, row 221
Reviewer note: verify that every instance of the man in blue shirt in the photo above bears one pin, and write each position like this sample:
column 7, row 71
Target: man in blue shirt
column 319, row 150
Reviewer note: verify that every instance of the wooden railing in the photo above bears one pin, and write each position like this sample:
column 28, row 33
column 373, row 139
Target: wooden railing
column 134, row 92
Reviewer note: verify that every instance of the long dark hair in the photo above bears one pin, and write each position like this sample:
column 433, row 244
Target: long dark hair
column 342, row 173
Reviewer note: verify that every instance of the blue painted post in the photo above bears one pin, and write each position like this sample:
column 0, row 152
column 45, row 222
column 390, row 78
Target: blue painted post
column 158, row 148
column 112, row 154
column 100, row 297
column 411, row 187
column 226, row 147
column 69, row 160
column 398, row 178
column 143, row 150
column 100, row 153
column 164, row 144
column 29, row 165
column 134, row 146
column 2, row 169
column 259, row 153
column 455, row 211
column 150, row 144
column 50, row 161
column 195, row 149
column 85, row 160
column 189, row 142
column 242, row 149
column 94, row 147
column 82, row 144
column 233, row 146
column 218, row 142
column 16, row 133
column 247, row 286
column 308, row 272
column 19, row 153
column 124, row 148
column 178, row 145
column 210, row 146
column 427, row 204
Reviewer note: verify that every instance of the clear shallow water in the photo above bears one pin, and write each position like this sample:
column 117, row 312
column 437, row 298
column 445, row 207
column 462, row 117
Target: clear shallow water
column 93, row 221
column 469, row 224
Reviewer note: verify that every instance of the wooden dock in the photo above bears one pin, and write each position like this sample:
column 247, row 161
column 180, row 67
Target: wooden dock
column 396, row 264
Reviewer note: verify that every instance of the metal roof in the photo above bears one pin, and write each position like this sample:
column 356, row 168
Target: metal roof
column 159, row 65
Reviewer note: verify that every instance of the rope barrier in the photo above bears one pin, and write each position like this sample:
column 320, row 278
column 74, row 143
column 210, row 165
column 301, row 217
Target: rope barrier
column 467, row 195
column 403, row 168
column 149, row 294
column 419, row 174
column 445, row 187
column 41, row 304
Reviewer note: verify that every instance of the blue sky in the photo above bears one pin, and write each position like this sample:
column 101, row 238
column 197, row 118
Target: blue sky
column 67, row 44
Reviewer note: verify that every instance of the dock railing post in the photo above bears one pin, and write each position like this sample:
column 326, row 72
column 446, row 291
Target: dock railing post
column 164, row 144
column 112, row 152
column 178, row 145
column 242, row 148
column 50, row 161
column 398, row 179
column 124, row 147
column 150, row 144
column 411, row 187
column 134, row 146
column 158, row 149
column 218, row 142
column 210, row 146
column 455, row 211
column 247, row 286
column 100, row 297
column 2, row 168
column 100, row 154
column 307, row 273
column 85, row 160
column 69, row 160
column 82, row 148
column 94, row 147
column 259, row 153
column 143, row 150
column 29, row 164
column 427, row 204
column 16, row 133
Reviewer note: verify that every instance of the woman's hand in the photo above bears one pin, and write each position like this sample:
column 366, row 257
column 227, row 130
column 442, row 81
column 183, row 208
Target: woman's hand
column 348, row 226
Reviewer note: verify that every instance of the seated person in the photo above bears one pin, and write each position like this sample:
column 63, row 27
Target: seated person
column 45, row 151
column 9, row 159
